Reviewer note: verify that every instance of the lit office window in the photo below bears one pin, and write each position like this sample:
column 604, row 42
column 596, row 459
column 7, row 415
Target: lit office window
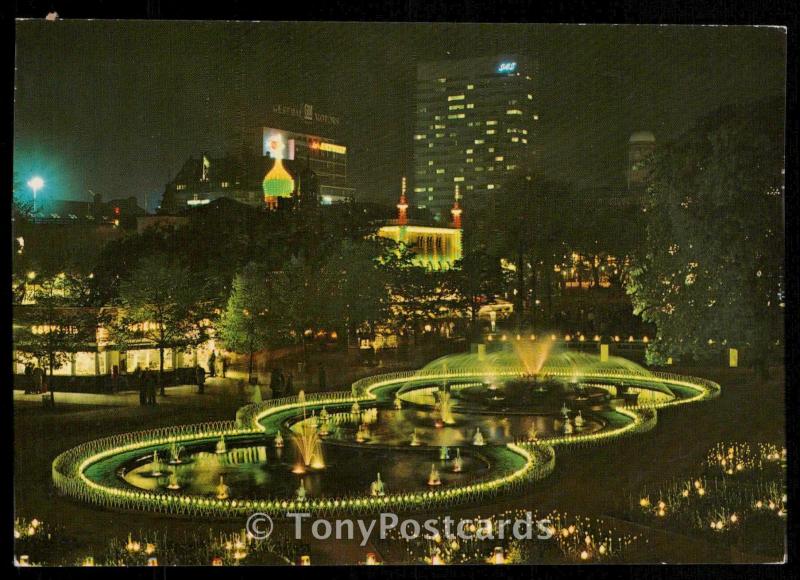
column 492, row 122
column 470, row 105
column 469, row 151
column 470, row 87
column 439, row 135
column 458, row 179
column 490, row 131
column 524, row 140
column 430, row 162
column 420, row 136
column 510, row 167
column 479, row 141
column 458, row 108
column 530, row 97
column 490, row 186
column 440, row 171
column 515, row 139
column 419, row 190
column 536, row 117
column 470, row 159
column 455, row 98
column 513, row 112
column 498, row 158
column 442, row 80
column 225, row 184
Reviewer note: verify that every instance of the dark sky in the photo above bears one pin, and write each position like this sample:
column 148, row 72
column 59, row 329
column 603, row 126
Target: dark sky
column 117, row 107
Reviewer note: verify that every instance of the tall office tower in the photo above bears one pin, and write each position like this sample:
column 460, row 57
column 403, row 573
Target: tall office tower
column 475, row 125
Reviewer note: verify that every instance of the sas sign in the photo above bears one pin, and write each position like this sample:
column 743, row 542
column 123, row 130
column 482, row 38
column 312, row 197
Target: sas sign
column 506, row 67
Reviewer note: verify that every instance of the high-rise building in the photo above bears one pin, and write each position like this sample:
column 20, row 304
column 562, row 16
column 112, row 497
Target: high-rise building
column 475, row 125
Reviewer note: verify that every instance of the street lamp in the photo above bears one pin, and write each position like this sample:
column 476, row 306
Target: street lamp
column 35, row 183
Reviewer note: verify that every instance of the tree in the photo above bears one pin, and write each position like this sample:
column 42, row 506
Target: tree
column 162, row 305
column 251, row 321
column 528, row 229
column 475, row 280
column 355, row 288
column 710, row 271
column 56, row 325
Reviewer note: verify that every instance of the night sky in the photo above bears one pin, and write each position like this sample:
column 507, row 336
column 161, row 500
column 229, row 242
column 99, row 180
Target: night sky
column 117, row 107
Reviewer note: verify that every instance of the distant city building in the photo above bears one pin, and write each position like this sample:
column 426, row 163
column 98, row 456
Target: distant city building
column 326, row 157
column 436, row 247
column 640, row 146
column 475, row 125
column 245, row 177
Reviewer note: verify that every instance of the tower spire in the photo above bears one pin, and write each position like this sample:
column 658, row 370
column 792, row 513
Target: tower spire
column 402, row 206
column 456, row 211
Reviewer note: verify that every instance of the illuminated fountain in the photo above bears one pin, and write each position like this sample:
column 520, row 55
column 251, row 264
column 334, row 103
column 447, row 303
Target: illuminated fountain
column 156, row 470
column 355, row 409
column 567, row 427
column 478, row 438
column 173, row 481
column 444, row 453
column 415, row 442
column 301, row 491
column 175, row 454
column 278, row 440
column 458, row 463
column 323, row 414
column 325, row 428
column 532, row 434
column 579, row 422
column 433, row 478
column 398, row 403
column 222, row 447
column 362, row 434
column 446, row 407
column 309, row 447
column 376, row 488
column 223, row 491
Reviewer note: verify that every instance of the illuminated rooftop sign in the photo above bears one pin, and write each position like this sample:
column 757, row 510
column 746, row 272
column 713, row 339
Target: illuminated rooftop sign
column 507, row 67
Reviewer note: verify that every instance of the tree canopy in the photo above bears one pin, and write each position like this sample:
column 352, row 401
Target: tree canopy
column 709, row 273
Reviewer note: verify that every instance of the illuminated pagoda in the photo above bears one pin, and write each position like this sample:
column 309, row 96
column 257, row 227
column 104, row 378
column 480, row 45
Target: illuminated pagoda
column 436, row 247
column 277, row 182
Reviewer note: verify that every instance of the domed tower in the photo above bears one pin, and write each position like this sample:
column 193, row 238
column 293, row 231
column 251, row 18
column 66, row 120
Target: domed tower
column 277, row 182
column 640, row 146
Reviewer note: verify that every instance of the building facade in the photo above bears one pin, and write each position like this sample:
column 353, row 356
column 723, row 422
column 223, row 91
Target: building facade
column 436, row 247
column 239, row 177
column 475, row 124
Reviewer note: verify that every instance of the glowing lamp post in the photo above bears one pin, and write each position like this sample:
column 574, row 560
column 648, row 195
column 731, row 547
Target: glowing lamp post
column 35, row 183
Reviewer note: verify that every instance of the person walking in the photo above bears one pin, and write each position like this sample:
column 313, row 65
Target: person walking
column 114, row 379
column 151, row 388
column 28, row 385
column 138, row 376
column 200, row 376
column 212, row 361
column 38, row 379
